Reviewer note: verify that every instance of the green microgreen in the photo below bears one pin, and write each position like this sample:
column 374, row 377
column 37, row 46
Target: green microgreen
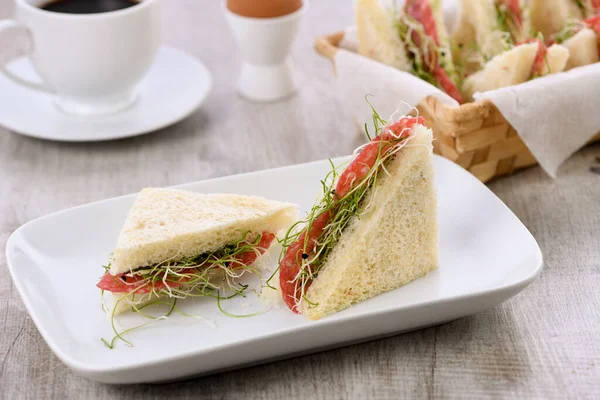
column 342, row 212
column 378, row 122
column 425, row 54
column 419, row 55
column 571, row 29
column 473, row 56
column 506, row 24
column 240, row 292
column 583, row 6
column 204, row 275
column 538, row 74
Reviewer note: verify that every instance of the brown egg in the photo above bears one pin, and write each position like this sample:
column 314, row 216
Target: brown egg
column 263, row 8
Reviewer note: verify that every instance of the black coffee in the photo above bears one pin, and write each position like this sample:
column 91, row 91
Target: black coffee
column 87, row 6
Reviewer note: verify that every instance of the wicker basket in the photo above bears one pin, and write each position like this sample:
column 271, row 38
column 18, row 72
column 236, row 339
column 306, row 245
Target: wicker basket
column 474, row 135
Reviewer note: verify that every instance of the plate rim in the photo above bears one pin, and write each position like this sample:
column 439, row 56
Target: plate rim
column 91, row 368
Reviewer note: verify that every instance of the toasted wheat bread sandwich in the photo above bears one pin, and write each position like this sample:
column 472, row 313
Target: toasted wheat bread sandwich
column 374, row 229
column 177, row 244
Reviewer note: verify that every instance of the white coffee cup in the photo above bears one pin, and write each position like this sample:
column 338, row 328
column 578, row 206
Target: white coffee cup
column 90, row 62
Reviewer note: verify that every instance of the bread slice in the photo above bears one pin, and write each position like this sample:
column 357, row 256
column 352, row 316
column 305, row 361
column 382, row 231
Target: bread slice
column 378, row 38
column 526, row 30
column 476, row 36
column 583, row 48
column 550, row 16
column 170, row 224
column 556, row 59
column 513, row 67
column 394, row 241
column 437, row 7
column 509, row 68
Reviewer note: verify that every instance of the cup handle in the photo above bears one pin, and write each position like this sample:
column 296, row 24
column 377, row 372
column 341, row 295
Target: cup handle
column 16, row 41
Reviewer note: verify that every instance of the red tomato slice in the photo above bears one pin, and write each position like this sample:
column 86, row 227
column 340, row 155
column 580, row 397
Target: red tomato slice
column 289, row 267
column 594, row 23
column 125, row 284
column 358, row 169
column 365, row 160
column 447, row 84
column 249, row 257
column 596, row 6
column 420, row 10
column 538, row 62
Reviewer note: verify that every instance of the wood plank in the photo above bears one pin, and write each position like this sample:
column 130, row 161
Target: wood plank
column 542, row 344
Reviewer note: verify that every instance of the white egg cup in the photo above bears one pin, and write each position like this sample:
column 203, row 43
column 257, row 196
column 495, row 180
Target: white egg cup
column 265, row 43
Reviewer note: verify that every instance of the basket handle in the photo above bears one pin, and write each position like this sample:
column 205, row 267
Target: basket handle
column 327, row 46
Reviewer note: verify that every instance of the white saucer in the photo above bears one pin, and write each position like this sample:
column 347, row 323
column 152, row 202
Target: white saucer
column 174, row 87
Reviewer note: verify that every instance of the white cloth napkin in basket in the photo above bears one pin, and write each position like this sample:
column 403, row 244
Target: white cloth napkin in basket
column 554, row 115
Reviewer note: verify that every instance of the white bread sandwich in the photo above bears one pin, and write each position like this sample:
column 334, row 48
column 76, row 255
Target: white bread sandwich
column 486, row 28
column 374, row 229
column 177, row 244
column 378, row 37
column 518, row 65
column 582, row 39
column 551, row 16
column 412, row 39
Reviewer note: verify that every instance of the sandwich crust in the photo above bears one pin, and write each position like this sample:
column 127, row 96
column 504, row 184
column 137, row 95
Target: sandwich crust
column 550, row 16
column 170, row 224
column 583, row 48
column 394, row 241
column 378, row 38
column 514, row 66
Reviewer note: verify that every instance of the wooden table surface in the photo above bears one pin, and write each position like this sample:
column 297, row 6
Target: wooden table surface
column 541, row 344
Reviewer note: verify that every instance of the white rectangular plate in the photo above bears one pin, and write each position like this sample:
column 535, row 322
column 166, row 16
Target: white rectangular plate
column 486, row 256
